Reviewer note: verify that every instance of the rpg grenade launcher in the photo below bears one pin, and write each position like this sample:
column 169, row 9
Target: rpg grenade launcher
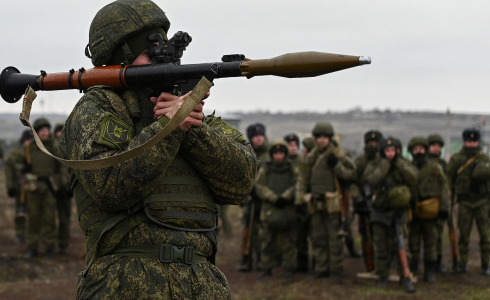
column 166, row 74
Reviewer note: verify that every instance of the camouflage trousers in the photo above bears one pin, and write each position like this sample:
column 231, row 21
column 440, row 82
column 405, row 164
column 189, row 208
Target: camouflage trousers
column 440, row 233
column 328, row 248
column 20, row 218
column 63, row 205
column 115, row 277
column 289, row 251
column 423, row 231
column 41, row 208
column 466, row 216
column 385, row 248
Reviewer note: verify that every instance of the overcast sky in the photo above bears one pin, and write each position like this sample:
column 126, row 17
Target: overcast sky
column 426, row 55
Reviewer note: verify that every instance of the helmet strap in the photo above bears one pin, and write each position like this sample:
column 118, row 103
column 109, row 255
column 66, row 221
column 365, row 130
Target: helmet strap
column 128, row 55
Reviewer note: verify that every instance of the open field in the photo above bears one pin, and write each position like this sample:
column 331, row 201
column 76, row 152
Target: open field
column 55, row 280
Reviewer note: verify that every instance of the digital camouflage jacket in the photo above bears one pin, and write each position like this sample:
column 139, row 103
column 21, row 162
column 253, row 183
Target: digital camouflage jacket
column 212, row 163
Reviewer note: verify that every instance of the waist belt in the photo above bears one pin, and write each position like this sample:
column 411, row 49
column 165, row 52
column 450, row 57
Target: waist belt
column 165, row 253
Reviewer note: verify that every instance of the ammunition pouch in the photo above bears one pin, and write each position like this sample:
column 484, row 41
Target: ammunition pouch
column 30, row 182
column 428, row 209
column 333, row 202
column 384, row 218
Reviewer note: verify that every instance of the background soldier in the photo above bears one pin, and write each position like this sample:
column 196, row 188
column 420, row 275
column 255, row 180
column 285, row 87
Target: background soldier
column 251, row 216
column 436, row 142
column 43, row 177
column 431, row 207
column 469, row 176
column 15, row 187
column 324, row 167
column 308, row 145
column 63, row 202
column 392, row 179
column 362, row 194
column 166, row 250
column 275, row 185
column 293, row 148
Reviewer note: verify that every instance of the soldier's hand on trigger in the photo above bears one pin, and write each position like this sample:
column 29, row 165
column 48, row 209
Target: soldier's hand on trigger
column 168, row 105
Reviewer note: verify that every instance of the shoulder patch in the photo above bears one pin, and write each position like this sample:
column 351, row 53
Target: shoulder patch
column 221, row 126
column 115, row 133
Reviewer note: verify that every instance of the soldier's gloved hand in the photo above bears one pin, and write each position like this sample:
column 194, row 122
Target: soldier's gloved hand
column 332, row 160
column 12, row 193
column 281, row 202
column 443, row 215
column 27, row 168
column 300, row 209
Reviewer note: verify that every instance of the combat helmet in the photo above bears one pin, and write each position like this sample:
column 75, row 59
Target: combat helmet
column 278, row 145
column 435, row 138
column 322, row 128
column 120, row 20
column 309, row 143
column 418, row 140
column 40, row 123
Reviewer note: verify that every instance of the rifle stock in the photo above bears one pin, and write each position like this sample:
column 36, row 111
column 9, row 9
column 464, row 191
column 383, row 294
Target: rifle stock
column 452, row 241
column 166, row 76
column 402, row 254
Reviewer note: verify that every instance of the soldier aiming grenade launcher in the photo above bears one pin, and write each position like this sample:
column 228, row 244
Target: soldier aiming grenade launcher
column 166, row 74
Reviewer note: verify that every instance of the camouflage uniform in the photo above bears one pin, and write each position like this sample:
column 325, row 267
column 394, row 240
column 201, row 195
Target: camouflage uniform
column 383, row 176
column 252, row 208
column 13, row 175
column 470, row 184
column 149, row 220
column 431, row 139
column 43, row 179
column 362, row 193
column 63, row 205
column 431, row 183
column 275, row 185
column 318, row 176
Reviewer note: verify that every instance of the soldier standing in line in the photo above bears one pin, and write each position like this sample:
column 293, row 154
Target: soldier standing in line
column 431, row 207
column 303, row 217
column 43, row 178
column 468, row 172
column 293, row 148
column 324, row 167
column 251, row 216
column 63, row 202
column 392, row 179
column 362, row 194
column 275, row 185
column 436, row 142
column 149, row 220
column 15, row 187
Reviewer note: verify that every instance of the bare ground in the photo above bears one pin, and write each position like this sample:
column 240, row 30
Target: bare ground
column 25, row 279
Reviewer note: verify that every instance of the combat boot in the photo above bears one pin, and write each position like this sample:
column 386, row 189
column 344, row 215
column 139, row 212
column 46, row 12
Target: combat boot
column 302, row 263
column 318, row 275
column 429, row 267
column 382, row 282
column 288, row 274
column 484, row 269
column 32, row 253
column 462, row 268
column 266, row 273
column 245, row 263
column 414, row 267
column 49, row 255
column 408, row 284
column 439, row 268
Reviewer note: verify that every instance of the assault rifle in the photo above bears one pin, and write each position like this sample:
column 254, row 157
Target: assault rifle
column 166, row 74
column 452, row 239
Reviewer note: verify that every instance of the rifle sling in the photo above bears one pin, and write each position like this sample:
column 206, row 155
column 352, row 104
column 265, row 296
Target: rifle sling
column 469, row 162
column 190, row 102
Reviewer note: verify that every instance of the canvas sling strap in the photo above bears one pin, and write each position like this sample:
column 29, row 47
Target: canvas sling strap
column 190, row 102
column 469, row 162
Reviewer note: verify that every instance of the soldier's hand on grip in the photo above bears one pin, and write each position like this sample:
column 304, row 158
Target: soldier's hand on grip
column 281, row 202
